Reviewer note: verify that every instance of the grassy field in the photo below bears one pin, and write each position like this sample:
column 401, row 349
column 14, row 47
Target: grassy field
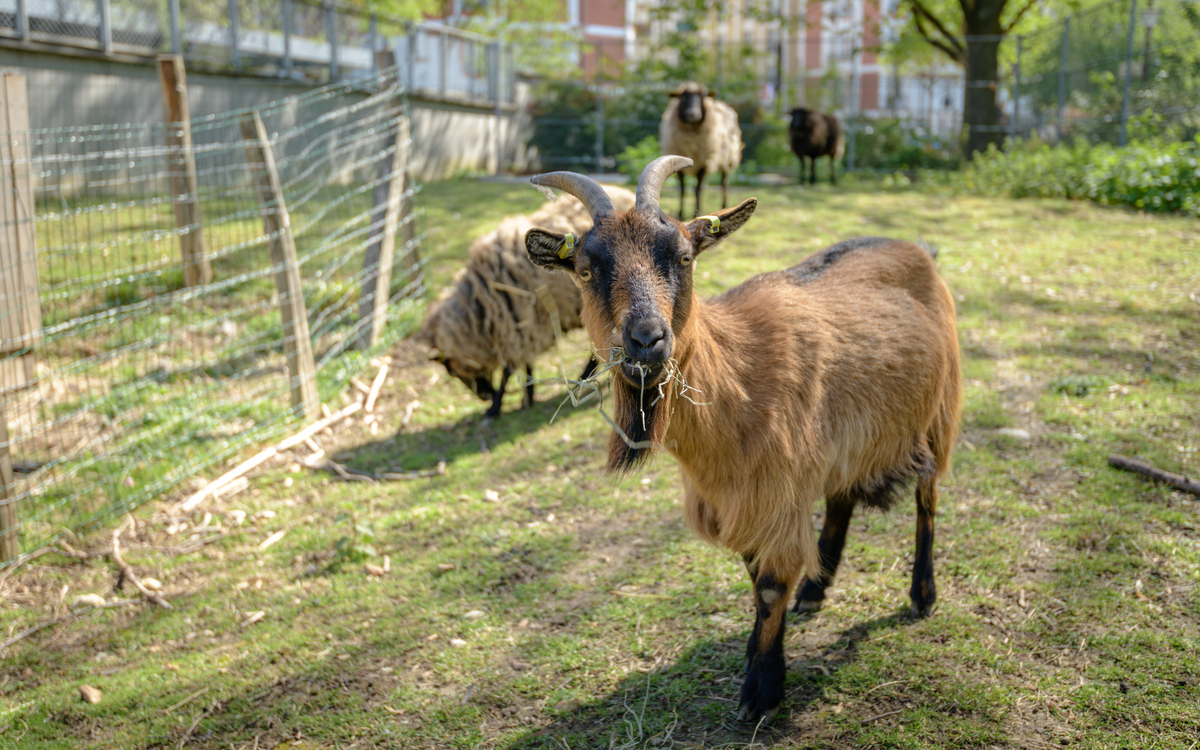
column 533, row 602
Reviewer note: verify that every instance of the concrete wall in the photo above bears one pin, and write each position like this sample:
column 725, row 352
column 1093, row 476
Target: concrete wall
column 449, row 136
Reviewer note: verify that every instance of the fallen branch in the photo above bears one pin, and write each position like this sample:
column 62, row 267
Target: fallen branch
column 882, row 716
column 127, row 572
column 375, row 386
column 349, row 474
column 72, row 613
column 243, row 468
column 1178, row 481
column 403, row 476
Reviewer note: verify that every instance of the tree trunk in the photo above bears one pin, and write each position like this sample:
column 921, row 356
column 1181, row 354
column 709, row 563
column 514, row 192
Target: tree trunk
column 981, row 114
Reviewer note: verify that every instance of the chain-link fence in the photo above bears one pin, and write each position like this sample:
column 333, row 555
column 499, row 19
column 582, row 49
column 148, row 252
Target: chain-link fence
column 141, row 335
column 295, row 39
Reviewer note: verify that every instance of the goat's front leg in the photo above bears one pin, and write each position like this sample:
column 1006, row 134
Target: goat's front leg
column 833, row 540
column 762, row 692
column 498, row 397
column 527, row 401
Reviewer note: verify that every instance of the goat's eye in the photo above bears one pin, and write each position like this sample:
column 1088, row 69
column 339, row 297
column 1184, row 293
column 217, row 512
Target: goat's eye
column 686, row 260
column 585, row 274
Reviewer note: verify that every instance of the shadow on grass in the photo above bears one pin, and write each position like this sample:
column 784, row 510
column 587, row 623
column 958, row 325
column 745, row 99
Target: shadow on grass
column 694, row 699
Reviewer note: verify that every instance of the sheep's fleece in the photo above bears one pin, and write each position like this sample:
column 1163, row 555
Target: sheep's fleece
column 485, row 328
column 714, row 143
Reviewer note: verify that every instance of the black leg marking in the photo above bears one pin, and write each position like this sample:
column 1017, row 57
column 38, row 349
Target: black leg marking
column 699, row 184
column 833, row 540
column 682, row 191
column 588, row 369
column 724, row 188
column 762, row 692
column 498, row 397
column 924, row 592
column 527, row 402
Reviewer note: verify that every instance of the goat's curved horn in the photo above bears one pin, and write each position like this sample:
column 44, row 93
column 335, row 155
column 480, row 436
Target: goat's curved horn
column 587, row 190
column 654, row 176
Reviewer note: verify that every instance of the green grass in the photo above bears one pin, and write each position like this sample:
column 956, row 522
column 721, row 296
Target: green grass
column 1068, row 615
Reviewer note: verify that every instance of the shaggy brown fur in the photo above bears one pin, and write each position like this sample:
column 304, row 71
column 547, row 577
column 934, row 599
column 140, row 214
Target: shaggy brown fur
column 475, row 327
column 837, row 378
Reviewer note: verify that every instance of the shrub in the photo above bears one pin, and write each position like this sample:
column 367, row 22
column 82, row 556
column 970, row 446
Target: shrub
column 1157, row 176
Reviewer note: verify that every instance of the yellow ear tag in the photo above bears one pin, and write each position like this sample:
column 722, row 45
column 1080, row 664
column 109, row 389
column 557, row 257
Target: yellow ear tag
column 567, row 246
column 714, row 223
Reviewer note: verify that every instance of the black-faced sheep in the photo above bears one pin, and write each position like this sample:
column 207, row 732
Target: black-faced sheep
column 837, row 378
column 491, row 317
column 706, row 131
column 813, row 135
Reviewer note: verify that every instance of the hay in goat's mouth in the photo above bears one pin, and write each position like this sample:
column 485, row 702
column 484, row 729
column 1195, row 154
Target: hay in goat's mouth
column 580, row 391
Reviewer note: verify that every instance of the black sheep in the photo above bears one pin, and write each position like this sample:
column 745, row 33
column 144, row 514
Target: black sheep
column 813, row 135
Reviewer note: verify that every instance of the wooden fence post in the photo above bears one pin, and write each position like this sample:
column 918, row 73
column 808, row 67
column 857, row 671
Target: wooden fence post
column 20, row 310
column 184, row 183
column 296, row 341
column 391, row 208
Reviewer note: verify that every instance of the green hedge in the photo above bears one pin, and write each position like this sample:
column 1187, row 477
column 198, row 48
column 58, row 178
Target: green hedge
column 1153, row 175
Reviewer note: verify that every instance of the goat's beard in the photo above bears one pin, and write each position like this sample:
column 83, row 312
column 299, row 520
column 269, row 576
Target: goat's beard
column 644, row 417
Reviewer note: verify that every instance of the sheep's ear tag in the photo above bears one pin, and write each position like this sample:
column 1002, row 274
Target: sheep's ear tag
column 568, row 246
column 714, row 223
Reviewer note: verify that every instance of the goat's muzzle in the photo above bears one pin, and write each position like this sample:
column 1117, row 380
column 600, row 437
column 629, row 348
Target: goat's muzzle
column 648, row 342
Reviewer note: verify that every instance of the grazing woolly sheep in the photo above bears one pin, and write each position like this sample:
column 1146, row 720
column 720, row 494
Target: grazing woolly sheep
column 706, row 131
column 814, row 134
column 837, row 378
column 491, row 317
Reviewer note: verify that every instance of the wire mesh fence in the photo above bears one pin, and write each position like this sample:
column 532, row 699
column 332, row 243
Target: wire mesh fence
column 118, row 379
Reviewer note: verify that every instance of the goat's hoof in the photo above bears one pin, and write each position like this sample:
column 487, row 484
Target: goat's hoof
column 921, row 611
column 751, row 715
column 804, row 606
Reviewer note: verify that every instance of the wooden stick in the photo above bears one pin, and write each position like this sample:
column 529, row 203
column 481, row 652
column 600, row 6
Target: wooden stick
column 408, row 412
column 128, row 572
column 360, row 386
column 405, row 476
column 43, row 625
column 317, row 426
column 375, row 386
column 1178, row 481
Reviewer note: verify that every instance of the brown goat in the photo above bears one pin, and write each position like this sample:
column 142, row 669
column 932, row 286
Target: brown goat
column 836, row 378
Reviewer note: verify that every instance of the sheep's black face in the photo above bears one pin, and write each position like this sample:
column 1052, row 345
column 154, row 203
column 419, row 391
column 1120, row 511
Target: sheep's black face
column 635, row 271
column 800, row 125
column 691, row 107
column 470, row 377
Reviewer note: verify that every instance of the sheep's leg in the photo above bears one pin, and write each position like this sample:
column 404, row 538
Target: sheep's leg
column 498, row 397
column 762, row 692
column 527, row 401
column 682, row 193
column 832, row 171
column 923, row 592
column 812, row 173
column 588, row 369
column 724, row 188
column 699, row 184
column 800, row 178
column 833, row 540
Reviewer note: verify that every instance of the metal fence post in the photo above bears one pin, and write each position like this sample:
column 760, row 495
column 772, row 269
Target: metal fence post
column 444, row 62
column 410, row 53
column 599, row 127
column 1128, row 70
column 373, row 33
column 105, row 26
column 286, row 10
column 331, row 32
column 1016, row 113
column 23, row 20
column 175, row 41
column 234, row 53
column 1062, row 77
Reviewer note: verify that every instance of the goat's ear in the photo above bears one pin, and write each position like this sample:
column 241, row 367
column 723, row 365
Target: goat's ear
column 546, row 249
column 706, row 232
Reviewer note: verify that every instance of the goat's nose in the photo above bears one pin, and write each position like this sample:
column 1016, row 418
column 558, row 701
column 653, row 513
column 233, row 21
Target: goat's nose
column 646, row 336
